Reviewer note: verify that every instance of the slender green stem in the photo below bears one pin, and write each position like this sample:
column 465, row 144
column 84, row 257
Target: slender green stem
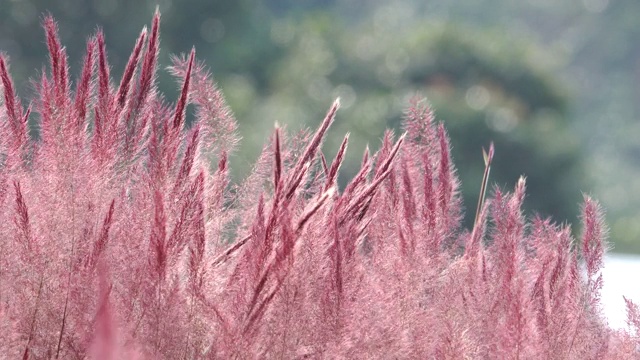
column 488, row 157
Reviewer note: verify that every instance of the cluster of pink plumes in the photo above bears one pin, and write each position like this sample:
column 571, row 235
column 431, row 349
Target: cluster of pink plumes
column 121, row 236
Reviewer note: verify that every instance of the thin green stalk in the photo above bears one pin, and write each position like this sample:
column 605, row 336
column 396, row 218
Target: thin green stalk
column 488, row 157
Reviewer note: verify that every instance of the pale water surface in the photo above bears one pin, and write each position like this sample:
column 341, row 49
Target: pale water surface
column 621, row 276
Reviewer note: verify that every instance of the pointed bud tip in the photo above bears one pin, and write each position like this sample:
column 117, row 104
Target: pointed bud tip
column 522, row 180
column 488, row 156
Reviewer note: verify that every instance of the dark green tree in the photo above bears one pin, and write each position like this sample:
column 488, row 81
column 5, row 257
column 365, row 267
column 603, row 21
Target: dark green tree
column 482, row 83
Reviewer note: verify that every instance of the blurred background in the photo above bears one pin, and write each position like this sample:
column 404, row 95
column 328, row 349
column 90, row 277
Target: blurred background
column 556, row 85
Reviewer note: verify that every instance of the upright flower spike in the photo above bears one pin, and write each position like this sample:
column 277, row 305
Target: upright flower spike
column 17, row 136
column 129, row 70
column 429, row 206
column 277, row 165
column 408, row 200
column 104, row 88
column 198, row 245
column 445, row 188
column 149, row 64
column 103, row 133
column 178, row 119
column 332, row 173
column 188, row 159
column 633, row 318
column 84, row 85
column 10, row 102
column 300, row 169
column 158, row 239
column 62, row 88
column 22, row 222
column 53, row 43
column 593, row 246
column 419, row 123
column 360, row 200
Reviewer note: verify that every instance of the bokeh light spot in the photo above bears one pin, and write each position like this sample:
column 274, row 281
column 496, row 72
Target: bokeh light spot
column 397, row 61
column 477, row 97
column 282, row 32
column 595, row 6
column 347, row 95
column 105, row 7
column 319, row 88
column 502, row 120
column 212, row 30
column 24, row 13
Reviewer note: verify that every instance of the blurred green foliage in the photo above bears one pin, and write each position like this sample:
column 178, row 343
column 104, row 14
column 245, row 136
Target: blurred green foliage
column 483, row 93
column 550, row 83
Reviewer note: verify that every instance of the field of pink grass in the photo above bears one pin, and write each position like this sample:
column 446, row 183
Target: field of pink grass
column 122, row 237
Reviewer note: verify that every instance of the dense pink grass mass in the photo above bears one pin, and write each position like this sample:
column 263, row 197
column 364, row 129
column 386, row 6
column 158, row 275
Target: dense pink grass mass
column 122, row 237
